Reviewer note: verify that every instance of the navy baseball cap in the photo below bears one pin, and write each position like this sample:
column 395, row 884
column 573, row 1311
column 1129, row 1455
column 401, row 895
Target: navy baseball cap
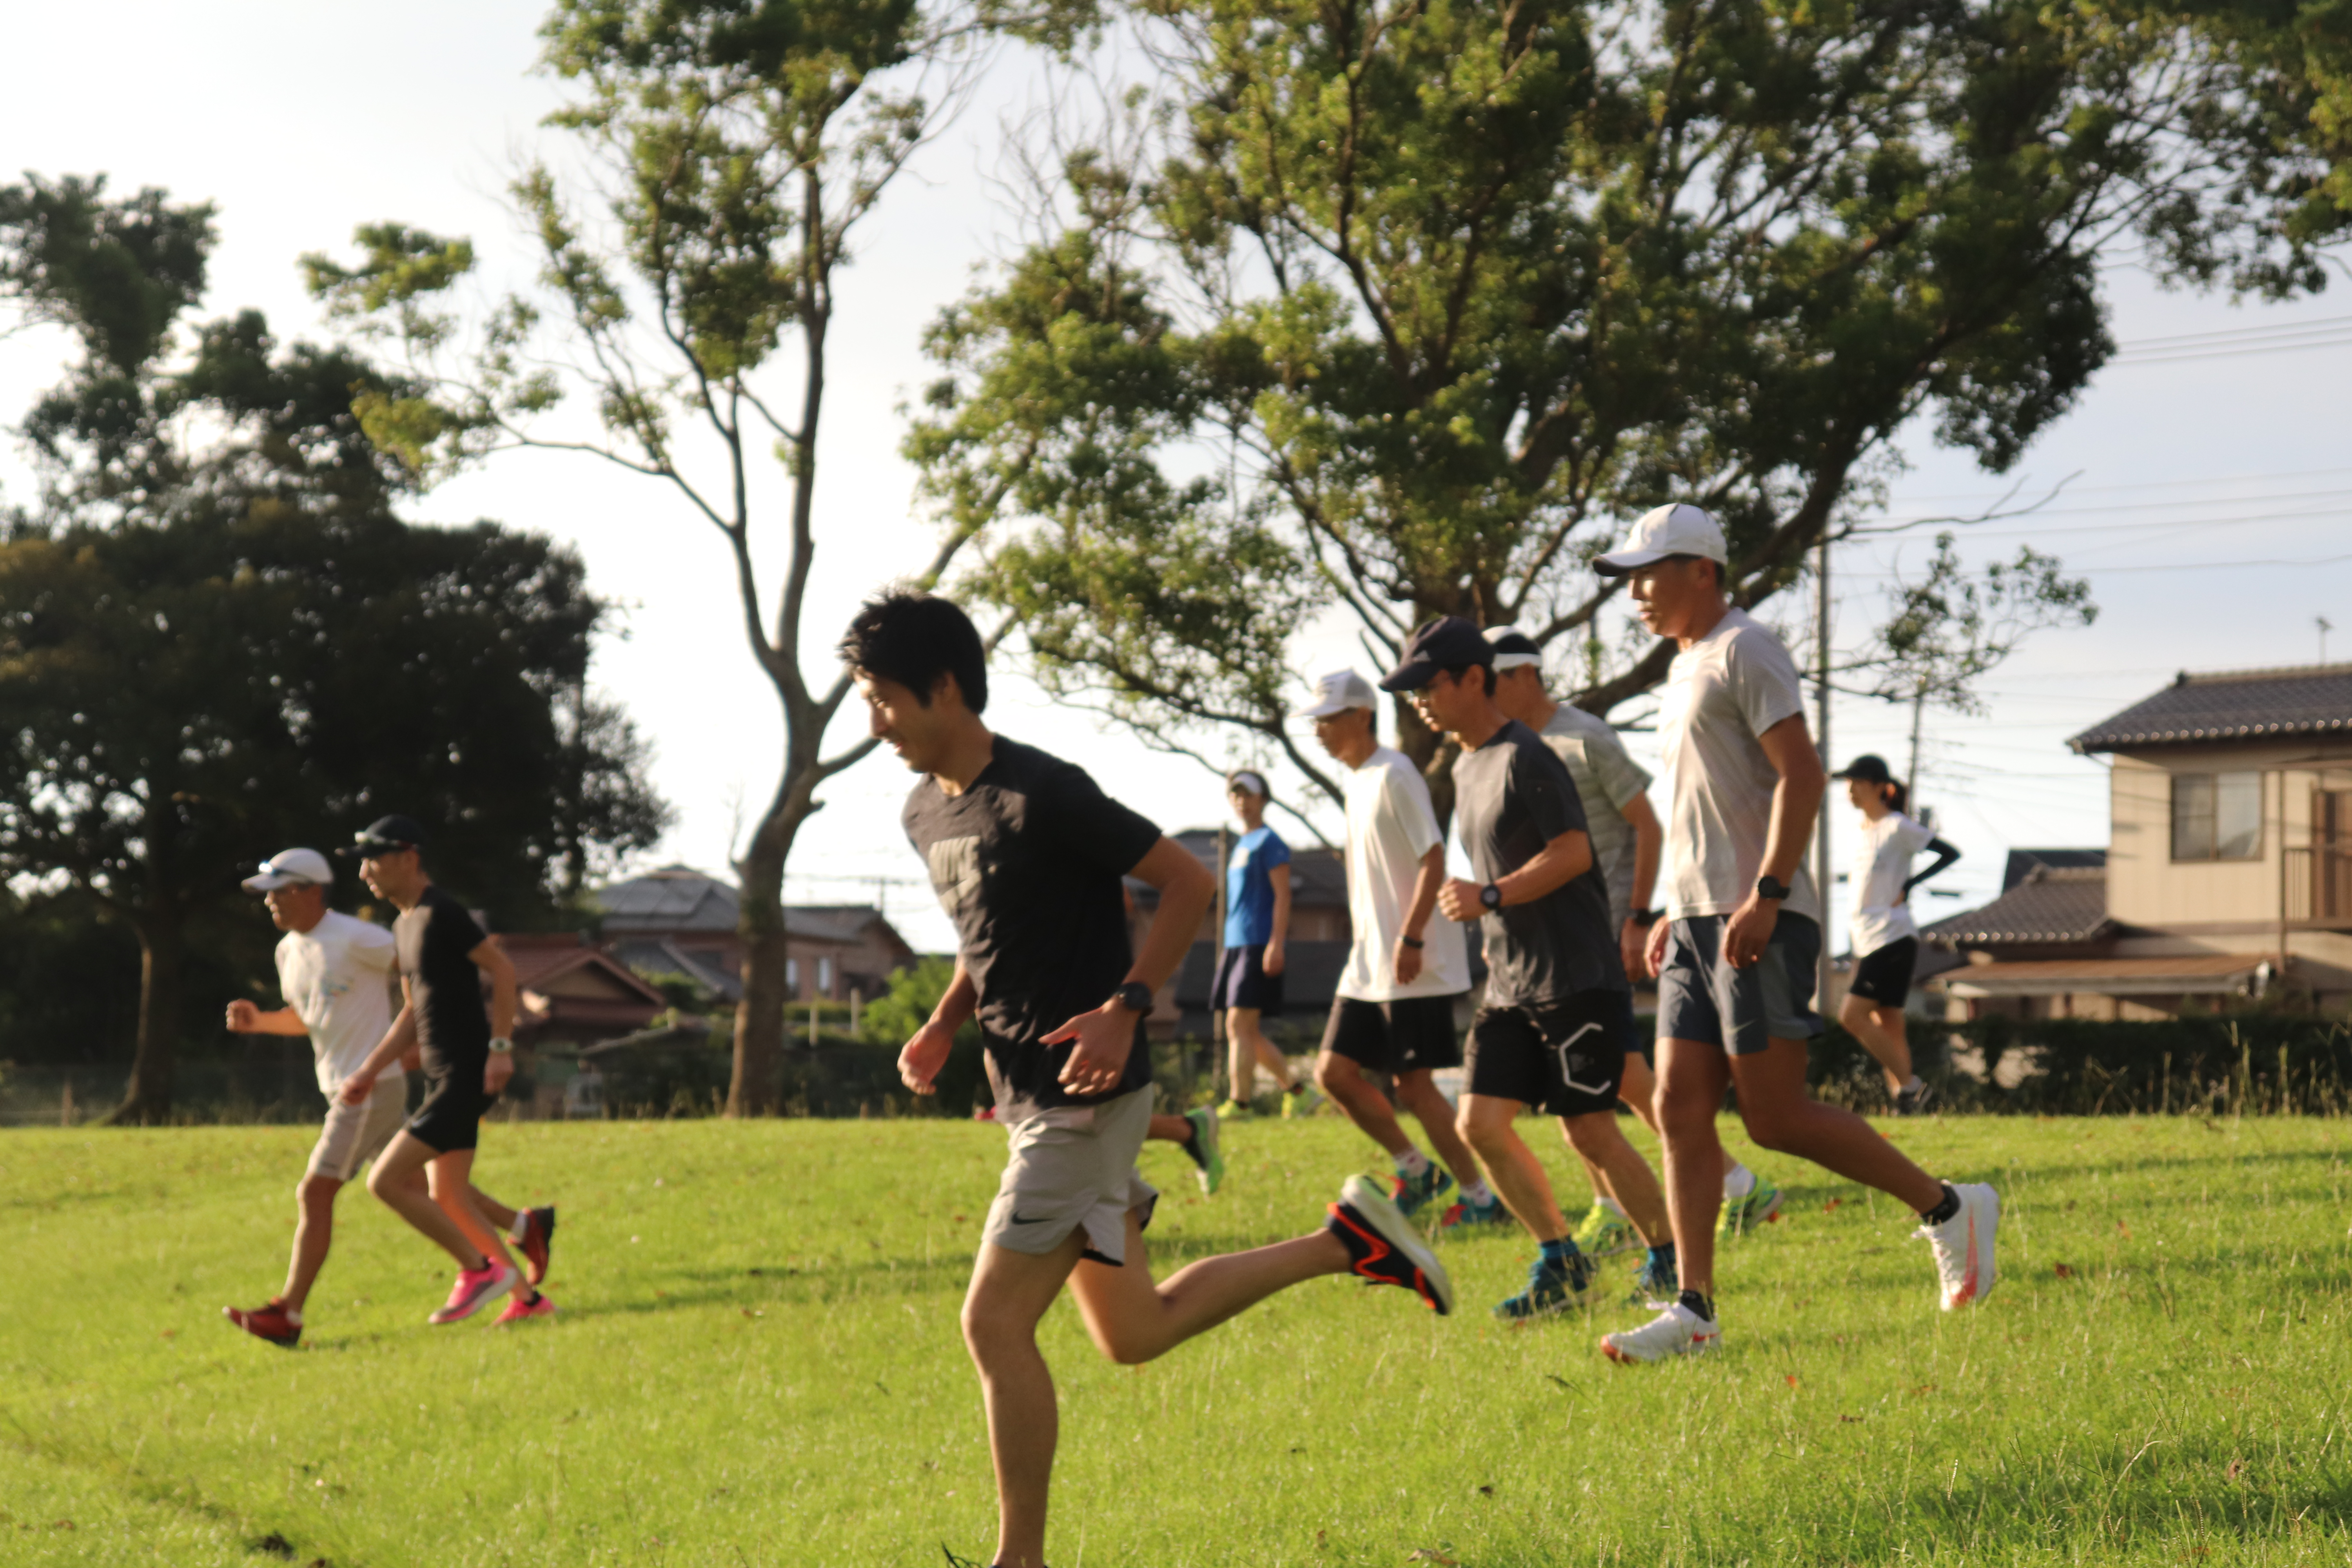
column 384, row 836
column 1448, row 642
column 1869, row 767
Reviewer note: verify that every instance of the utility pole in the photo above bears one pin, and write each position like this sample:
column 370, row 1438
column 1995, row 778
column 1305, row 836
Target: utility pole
column 1821, row 881
column 1911, row 779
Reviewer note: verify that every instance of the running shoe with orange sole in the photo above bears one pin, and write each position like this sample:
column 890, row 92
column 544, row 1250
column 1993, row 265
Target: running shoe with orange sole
column 537, row 1239
column 539, row 1306
column 268, row 1323
column 473, row 1286
column 1384, row 1248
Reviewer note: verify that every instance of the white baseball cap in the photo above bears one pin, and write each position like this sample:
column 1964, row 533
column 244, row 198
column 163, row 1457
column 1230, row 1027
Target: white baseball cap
column 1681, row 528
column 1513, row 648
column 291, row 869
column 1336, row 693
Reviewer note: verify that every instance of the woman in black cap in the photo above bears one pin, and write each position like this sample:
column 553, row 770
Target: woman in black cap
column 1885, row 937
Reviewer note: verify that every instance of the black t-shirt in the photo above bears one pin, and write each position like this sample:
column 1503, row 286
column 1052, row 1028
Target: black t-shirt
column 1512, row 796
column 443, row 985
column 1027, row 863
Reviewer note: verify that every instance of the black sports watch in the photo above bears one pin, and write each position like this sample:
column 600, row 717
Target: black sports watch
column 1769, row 888
column 1491, row 896
column 1134, row 996
column 1645, row 919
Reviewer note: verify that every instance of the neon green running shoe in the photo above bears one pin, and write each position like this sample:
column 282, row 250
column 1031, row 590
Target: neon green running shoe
column 1236, row 1110
column 1761, row 1206
column 1602, row 1233
column 1203, row 1147
column 1301, row 1101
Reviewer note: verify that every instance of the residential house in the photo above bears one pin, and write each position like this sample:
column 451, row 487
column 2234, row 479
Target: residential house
column 678, row 921
column 1314, row 954
column 2228, row 870
column 572, row 993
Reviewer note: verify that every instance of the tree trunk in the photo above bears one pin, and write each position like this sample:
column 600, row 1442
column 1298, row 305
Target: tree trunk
column 755, row 1088
column 161, row 951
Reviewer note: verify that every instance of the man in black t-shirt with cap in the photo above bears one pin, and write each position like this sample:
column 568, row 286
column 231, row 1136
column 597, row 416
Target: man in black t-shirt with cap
column 1027, row 854
column 467, row 1058
column 1550, row 1031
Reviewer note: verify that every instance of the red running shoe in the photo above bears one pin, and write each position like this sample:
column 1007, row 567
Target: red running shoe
column 473, row 1286
column 538, row 1236
column 539, row 1306
column 268, row 1323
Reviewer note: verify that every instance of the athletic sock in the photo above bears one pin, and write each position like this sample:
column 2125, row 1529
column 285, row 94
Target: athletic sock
column 1739, row 1181
column 1412, row 1164
column 1945, row 1210
column 521, row 1227
column 1609, row 1205
column 1478, row 1194
column 1692, row 1301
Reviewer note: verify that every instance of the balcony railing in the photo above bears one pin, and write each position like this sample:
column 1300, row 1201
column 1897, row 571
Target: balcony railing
column 2319, row 885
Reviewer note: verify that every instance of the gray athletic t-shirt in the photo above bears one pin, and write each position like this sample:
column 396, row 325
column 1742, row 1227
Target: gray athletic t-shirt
column 1607, row 781
column 1512, row 796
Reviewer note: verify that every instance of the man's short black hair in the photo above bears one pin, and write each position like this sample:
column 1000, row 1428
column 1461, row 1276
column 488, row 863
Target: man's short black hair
column 1722, row 572
column 1458, row 670
column 914, row 638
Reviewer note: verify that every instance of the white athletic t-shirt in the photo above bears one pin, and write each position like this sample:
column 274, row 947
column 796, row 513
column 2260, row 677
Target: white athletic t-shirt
column 1887, row 846
column 1721, row 693
column 1391, row 826
column 1606, row 779
column 336, row 977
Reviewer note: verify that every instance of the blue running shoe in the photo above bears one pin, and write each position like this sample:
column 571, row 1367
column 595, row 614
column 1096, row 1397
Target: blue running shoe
column 1465, row 1217
column 1657, row 1283
column 1554, row 1285
column 1413, row 1194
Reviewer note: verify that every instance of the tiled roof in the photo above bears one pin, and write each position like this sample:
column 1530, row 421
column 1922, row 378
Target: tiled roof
column 2309, row 700
column 2023, row 862
column 2049, row 905
column 2201, row 973
column 682, row 900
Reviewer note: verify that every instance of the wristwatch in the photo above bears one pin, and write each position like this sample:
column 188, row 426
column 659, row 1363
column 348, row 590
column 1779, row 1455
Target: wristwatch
column 1769, row 887
column 501, row 1045
column 1134, row 996
column 1645, row 919
column 1411, row 940
column 1491, row 896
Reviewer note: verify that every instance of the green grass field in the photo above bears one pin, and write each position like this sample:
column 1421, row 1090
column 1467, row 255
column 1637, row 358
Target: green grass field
column 758, row 1363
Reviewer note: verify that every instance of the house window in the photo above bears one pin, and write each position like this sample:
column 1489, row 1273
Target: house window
column 792, row 974
column 825, row 977
column 2217, row 816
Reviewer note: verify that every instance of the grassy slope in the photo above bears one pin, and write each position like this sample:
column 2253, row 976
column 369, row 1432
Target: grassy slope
column 758, row 1363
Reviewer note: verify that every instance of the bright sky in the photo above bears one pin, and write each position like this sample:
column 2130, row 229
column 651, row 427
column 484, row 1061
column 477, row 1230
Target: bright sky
column 2208, row 505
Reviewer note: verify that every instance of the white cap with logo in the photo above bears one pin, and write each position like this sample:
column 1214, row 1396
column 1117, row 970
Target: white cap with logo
column 293, row 868
column 1681, row 528
column 1336, row 693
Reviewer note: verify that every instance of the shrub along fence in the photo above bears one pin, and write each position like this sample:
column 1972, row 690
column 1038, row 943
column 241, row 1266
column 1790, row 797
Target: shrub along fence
column 2231, row 1064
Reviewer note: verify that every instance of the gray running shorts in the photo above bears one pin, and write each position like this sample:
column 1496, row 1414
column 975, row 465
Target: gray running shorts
column 354, row 1135
column 1072, row 1167
column 1741, row 1011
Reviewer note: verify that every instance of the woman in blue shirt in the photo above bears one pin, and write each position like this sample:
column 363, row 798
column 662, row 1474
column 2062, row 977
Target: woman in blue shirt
column 1248, row 986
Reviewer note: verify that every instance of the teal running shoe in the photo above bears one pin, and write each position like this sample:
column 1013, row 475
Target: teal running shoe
column 1413, row 1194
column 1760, row 1206
column 1602, row 1233
column 1554, row 1285
column 1657, row 1283
column 1465, row 1217
column 1203, row 1147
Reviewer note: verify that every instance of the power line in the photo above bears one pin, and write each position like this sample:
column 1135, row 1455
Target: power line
column 2149, row 484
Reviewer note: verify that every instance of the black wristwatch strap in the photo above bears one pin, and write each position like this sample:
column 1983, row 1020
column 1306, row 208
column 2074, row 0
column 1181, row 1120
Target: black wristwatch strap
column 1411, row 940
column 1767, row 888
column 1134, row 996
column 1491, row 896
column 1645, row 919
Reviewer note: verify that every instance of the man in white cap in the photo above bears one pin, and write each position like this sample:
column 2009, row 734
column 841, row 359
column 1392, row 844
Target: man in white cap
column 1737, row 951
column 1626, row 836
column 1393, row 1011
column 335, row 974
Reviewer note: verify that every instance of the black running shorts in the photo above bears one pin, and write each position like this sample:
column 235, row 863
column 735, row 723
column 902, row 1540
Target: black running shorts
column 1410, row 1034
column 1883, row 975
column 1565, row 1058
column 1242, row 981
column 451, row 1117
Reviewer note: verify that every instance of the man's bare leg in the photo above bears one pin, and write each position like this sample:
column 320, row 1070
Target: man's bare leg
column 1781, row 1116
column 1691, row 1076
column 1131, row 1320
column 1418, row 1092
column 1361, row 1102
column 1881, row 1032
column 314, row 1231
column 1517, row 1175
column 1169, row 1129
column 1270, row 1057
column 399, row 1179
column 1639, row 1089
column 450, row 1177
column 1620, row 1172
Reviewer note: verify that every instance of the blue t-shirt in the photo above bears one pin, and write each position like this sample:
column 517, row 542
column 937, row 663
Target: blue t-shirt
column 1249, row 887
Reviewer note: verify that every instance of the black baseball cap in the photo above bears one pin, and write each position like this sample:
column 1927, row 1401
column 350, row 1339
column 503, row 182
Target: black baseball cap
column 385, row 835
column 1869, row 767
column 1448, row 642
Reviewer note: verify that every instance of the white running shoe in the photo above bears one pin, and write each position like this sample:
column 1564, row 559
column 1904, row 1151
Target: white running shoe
column 1963, row 1245
column 1677, row 1330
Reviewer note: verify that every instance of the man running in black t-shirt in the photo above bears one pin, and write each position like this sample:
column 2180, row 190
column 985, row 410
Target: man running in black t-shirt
column 467, row 1057
column 1550, row 1032
column 1026, row 854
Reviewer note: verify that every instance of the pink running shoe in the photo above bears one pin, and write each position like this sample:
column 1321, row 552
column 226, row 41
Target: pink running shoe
column 473, row 1286
column 539, row 1306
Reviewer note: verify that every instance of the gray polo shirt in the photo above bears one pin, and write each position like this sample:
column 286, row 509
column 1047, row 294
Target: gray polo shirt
column 1607, row 778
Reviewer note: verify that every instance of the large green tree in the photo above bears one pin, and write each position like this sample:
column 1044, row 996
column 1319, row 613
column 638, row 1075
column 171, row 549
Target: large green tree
column 1406, row 306
column 727, row 151
column 217, row 639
